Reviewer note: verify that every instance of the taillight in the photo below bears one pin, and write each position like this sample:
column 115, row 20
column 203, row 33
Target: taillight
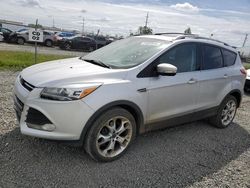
column 243, row 71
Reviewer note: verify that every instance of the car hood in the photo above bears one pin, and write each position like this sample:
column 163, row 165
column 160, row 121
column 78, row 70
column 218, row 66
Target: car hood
column 69, row 71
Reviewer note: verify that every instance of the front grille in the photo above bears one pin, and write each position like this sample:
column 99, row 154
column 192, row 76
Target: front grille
column 18, row 106
column 36, row 117
column 26, row 85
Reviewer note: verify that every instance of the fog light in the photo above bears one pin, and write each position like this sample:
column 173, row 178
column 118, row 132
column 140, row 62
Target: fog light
column 46, row 127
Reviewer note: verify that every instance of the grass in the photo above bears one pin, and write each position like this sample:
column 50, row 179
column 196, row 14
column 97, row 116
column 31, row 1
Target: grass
column 18, row 60
column 247, row 65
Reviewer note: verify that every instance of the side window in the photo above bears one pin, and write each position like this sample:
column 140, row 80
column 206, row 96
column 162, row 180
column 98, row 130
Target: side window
column 86, row 39
column 229, row 57
column 182, row 56
column 212, row 58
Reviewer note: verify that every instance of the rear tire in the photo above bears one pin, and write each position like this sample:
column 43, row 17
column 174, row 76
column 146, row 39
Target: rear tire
column 110, row 135
column 20, row 41
column 48, row 43
column 67, row 46
column 226, row 113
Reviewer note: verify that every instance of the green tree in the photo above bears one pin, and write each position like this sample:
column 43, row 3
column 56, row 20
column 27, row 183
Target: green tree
column 144, row 30
column 34, row 25
column 188, row 31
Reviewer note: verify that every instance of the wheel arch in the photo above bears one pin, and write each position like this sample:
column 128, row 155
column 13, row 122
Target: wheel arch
column 127, row 105
column 18, row 37
column 237, row 94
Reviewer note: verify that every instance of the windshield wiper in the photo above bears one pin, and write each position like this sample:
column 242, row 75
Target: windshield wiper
column 96, row 62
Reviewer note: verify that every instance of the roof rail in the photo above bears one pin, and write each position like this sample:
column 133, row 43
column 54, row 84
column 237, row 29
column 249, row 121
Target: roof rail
column 172, row 34
column 198, row 37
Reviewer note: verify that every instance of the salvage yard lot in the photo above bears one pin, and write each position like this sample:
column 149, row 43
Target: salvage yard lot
column 194, row 154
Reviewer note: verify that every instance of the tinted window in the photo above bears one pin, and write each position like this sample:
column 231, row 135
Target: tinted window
column 86, row 39
column 212, row 58
column 182, row 56
column 77, row 38
column 229, row 57
column 5, row 30
column 46, row 33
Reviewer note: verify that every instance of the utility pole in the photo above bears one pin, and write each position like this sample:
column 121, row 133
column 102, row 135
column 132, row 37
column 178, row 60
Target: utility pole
column 53, row 23
column 146, row 23
column 245, row 40
column 83, row 26
column 36, row 43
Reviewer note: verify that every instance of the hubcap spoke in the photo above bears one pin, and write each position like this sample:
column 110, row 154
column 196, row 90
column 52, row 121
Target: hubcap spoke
column 110, row 148
column 104, row 139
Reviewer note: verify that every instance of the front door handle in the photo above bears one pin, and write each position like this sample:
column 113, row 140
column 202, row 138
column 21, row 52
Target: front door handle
column 192, row 81
column 225, row 76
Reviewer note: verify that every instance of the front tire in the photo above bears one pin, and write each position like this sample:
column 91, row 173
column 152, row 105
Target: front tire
column 226, row 112
column 110, row 135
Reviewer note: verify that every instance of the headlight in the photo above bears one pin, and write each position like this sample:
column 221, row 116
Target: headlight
column 67, row 94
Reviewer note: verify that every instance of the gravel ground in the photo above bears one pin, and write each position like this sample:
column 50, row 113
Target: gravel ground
column 41, row 49
column 191, row 155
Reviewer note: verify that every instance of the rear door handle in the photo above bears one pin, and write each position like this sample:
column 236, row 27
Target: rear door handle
column 225, row 76
column 192, row 81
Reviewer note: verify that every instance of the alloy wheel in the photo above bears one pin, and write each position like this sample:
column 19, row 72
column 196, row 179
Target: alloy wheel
column 228, row 112
column 114, row 136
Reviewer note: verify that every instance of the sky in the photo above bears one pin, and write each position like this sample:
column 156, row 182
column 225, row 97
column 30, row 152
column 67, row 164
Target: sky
column 228, row 20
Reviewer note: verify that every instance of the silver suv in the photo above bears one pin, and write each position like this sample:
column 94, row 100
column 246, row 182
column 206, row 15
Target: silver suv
column 106, row 98
column 48, row 38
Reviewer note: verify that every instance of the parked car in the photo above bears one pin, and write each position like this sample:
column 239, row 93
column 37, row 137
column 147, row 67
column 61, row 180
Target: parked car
column 106, row 98
column 78, row 42
column 5, row 32
column 1, row 37
column 61, row 35
column 247, row 84
column 23, row 37
column 100, row 40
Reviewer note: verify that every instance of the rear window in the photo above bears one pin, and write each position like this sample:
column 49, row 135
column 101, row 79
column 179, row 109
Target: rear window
column 212, row 57
column 229, row 57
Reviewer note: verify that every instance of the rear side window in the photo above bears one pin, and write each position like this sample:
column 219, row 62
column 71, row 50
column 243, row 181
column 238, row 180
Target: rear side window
column 212, row 57
column 229, row 57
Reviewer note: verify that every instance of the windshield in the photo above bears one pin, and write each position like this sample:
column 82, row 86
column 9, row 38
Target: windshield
column 128, row 52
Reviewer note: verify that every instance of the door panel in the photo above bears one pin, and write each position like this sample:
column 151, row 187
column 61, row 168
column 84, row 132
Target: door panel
column 214, row 78
column 171, row 96
column 213, row 84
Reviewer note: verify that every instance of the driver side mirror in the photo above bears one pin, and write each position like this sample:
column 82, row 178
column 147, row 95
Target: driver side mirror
column 165, row 69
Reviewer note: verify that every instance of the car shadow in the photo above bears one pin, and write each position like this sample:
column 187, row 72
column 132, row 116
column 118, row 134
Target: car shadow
column 174, row 157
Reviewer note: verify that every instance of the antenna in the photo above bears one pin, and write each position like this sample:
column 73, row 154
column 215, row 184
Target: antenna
column 53, row 22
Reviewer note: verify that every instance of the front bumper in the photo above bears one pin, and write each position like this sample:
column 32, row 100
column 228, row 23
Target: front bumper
column 67, row 117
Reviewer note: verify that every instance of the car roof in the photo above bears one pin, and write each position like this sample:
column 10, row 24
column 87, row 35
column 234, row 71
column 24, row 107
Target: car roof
column 176, row 37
